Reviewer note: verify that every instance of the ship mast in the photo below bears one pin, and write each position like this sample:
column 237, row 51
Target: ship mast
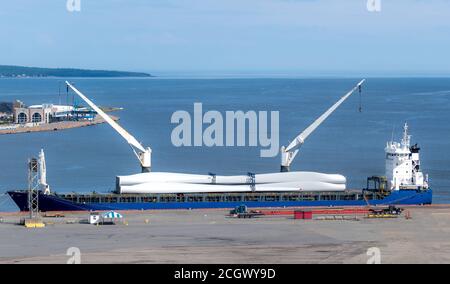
column 406, row 141
column 289, row 153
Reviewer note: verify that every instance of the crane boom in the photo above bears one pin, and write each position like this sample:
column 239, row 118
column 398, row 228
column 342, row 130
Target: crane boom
column 127, row 136
column 143, row 154
column 300, row 139
column 290, row 152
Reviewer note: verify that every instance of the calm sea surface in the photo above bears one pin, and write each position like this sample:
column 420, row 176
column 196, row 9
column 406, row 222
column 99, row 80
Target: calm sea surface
column 349, row 143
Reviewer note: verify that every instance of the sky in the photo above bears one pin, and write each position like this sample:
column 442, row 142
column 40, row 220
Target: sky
column 324, row 37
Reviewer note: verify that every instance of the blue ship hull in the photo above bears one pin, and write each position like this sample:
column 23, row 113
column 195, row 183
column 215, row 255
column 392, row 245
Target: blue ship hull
column 57, row 203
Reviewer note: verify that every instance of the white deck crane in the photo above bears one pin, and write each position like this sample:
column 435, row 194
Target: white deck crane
column 143, row 154
column 289, row 153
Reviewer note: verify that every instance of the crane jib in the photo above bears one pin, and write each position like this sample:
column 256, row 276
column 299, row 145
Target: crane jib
column 128, row 137
column 300, row 139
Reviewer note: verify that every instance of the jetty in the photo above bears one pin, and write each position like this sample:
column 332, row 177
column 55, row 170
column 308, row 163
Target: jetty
column 56, row 126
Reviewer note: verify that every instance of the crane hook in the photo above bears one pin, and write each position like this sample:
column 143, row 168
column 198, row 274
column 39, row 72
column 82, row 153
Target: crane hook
column 360, row 98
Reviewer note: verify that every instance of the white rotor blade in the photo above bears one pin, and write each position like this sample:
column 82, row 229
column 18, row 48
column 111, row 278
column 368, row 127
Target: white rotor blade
column 127, row 136
column 299, row 140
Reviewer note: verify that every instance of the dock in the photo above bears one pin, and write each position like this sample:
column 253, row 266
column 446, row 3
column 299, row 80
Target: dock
column 56, row 126
column 208, row 236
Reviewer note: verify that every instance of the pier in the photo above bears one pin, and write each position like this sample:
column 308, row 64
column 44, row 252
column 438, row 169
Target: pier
column 56, row 126
column 209, row 236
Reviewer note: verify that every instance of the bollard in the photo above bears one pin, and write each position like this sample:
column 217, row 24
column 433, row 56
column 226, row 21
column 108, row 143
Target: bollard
column 408, row 215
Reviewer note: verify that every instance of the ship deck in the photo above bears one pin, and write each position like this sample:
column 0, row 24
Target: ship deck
column 218, row 197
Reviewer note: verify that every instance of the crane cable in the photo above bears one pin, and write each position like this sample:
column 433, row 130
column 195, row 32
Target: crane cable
column 360, row 98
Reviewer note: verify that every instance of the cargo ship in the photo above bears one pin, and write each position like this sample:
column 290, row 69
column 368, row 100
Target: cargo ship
column 403, row 184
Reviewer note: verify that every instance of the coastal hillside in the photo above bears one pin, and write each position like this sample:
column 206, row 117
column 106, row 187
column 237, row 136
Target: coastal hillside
column 6, row 107
column 21, row 71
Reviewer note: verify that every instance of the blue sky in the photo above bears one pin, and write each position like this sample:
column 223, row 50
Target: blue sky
column 408, row 37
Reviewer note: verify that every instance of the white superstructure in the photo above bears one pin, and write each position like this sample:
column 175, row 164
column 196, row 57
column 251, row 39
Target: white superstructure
column 403, row 165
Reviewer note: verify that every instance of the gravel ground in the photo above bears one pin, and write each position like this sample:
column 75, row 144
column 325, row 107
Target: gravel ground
column 207, row 236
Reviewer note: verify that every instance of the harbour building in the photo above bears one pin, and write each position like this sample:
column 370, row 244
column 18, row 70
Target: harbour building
column 49, row 113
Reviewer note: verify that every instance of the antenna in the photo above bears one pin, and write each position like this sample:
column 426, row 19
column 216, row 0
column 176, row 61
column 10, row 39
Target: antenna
column 406, row 141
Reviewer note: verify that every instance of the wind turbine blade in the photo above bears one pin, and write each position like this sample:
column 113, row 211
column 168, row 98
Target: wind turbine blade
column 127, row 136
column 308, row 131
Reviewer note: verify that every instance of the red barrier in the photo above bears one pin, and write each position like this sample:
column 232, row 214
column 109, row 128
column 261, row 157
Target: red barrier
column 346, row 211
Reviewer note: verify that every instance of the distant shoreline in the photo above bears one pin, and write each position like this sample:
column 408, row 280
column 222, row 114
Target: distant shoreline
column 9, row 71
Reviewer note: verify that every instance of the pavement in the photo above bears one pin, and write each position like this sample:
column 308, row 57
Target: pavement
column 208, row 236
